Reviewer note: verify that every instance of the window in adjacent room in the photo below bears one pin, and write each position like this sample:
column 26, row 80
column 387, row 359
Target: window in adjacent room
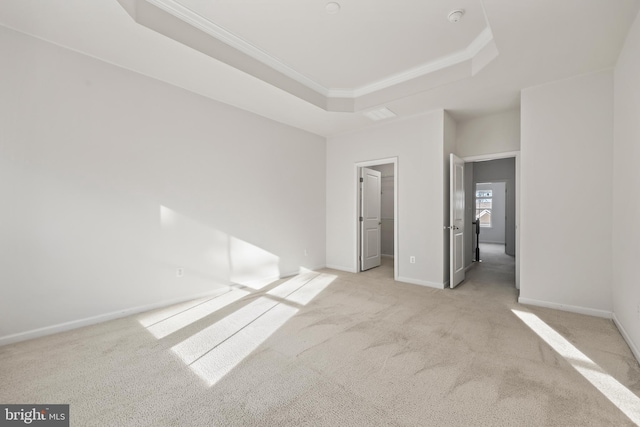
column 484, row 201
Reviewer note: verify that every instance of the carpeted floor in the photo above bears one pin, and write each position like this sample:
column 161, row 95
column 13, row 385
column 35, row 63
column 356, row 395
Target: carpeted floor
column 335, row 349
column 496, row 264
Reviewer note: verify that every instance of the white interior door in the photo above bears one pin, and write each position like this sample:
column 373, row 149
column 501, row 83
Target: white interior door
column 370, row 218
column 456, row 221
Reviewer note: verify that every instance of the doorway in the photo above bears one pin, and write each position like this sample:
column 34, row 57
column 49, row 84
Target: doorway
column 491, row 193
column 388, row 215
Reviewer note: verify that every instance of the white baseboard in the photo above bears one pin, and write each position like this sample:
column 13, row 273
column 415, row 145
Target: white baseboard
column 74, row 324
column 342, row 268
column 564, row 307
column 386, row 256
column 420, row 282
column 627, row 338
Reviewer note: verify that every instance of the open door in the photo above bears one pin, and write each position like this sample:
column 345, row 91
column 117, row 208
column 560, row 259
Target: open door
column 370, row 218
column 456, row 221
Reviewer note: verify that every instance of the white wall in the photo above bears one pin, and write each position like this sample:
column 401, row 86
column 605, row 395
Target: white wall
column 492, row 134
column 566, row 166
column 626, row 188
column 112, row 180
column 495, row 233
column 418, row 144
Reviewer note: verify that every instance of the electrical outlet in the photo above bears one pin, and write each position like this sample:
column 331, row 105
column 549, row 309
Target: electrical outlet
column 412, row 260
column 179, row 272
column 306, row 253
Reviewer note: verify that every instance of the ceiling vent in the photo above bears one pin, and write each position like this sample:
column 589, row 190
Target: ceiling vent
column 380, row 114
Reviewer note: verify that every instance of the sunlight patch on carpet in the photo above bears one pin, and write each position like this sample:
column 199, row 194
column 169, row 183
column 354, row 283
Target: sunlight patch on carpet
column 185, row 318
column 213, row 352
column 285, row 289
column 154, row 316
column 217, row 363
column 204, row 341
column 308, row 292
column 613, row 390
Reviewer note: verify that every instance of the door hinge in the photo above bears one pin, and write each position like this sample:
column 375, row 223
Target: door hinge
column 361, row 179
column 361, row 219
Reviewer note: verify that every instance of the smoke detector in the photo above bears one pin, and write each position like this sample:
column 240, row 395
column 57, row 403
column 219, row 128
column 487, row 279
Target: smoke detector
column 332, row 8
column 455, row 15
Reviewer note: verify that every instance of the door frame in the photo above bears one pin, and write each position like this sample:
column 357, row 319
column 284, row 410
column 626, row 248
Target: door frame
column 506, row 155
column 356, row 180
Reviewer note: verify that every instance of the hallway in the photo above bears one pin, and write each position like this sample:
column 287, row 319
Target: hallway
column 495, row 266
column 495, row 275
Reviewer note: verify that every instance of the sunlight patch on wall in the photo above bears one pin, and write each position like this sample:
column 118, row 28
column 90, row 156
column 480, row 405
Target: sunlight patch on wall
column 252, row 266
column 210, row 257
column 200, row 249
column 168, row 217
column 178, row 321
column 613, row 390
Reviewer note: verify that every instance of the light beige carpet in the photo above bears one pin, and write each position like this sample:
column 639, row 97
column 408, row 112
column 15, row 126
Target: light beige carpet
column 335, row 349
